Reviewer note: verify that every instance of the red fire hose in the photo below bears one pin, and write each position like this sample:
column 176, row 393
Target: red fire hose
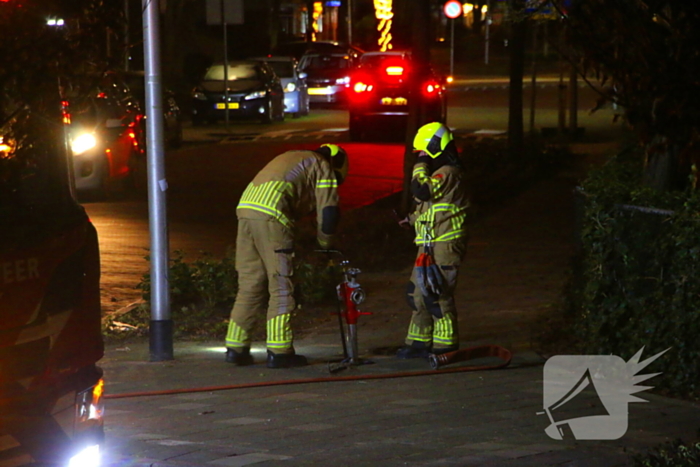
column 470, row 353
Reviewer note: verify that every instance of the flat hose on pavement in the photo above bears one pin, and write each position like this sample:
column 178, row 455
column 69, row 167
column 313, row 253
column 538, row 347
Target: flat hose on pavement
column 470, row 353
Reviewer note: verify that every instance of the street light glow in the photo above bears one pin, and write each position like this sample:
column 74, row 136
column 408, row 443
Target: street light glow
column 382, row 11
column 317, row 13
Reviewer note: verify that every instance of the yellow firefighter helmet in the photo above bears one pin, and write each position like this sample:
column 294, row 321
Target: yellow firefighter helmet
column 338, row 159
column 432, row 138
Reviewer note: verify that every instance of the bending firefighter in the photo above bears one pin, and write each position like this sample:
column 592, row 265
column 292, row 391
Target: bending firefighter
column 439, row 221
column 292, row 185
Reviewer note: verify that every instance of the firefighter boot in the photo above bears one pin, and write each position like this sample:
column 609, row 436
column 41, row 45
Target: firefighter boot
column 240, row 357
column 285, row 360
column 415, row 350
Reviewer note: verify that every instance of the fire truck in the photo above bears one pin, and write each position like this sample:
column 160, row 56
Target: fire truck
column 51, row 411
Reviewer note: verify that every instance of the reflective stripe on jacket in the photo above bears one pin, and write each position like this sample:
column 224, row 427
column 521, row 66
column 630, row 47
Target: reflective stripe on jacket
column 291, row 186
column 442, row 218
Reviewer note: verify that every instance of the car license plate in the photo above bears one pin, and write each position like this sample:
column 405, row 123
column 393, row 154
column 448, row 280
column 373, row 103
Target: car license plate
column 319, row 91
column 231, row 105
column 394, row 101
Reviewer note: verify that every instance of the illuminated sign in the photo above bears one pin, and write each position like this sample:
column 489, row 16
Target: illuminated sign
column 452, row 9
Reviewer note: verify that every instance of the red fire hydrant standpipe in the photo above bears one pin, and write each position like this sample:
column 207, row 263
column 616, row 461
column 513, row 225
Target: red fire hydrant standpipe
column 350, row 296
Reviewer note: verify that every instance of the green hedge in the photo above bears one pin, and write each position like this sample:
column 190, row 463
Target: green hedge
column 676, row 454
column 637, row 283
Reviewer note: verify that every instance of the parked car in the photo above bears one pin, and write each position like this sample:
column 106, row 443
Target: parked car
column 296, row 93
column 254, row 91
column 379, row 89
column 51, row 407
column 327, row 76
column 172, row 115
column 297, row 49
column 107, row 139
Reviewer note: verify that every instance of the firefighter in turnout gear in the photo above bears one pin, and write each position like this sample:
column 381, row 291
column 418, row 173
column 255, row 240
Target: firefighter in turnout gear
column 438, row 188
column 291, row 186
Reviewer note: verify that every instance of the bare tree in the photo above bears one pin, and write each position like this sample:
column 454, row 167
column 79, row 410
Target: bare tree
column 420, row 44
column 647, row 54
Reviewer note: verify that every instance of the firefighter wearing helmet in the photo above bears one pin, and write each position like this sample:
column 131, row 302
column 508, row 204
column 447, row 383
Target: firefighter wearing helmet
column 292, row 185
column 438, row 187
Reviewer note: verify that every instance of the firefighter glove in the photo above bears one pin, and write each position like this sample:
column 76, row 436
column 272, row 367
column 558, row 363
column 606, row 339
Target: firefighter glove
column 428, row 276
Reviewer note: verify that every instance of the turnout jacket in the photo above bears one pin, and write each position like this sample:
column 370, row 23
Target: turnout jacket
column 291, row 186
column 442, row 199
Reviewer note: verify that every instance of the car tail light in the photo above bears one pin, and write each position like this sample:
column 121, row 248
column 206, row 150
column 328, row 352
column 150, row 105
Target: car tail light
column 362, row 87
column 361, row 84
column 431, row 88
column 395, row 71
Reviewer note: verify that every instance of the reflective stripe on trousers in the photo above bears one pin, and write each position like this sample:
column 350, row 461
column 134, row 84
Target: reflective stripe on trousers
column 264, row 262
column 434, row 319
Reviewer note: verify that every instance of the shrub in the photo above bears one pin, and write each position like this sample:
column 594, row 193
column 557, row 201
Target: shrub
column 637, row 286
column 201, row 295
column 674, row 454
column 203, row 291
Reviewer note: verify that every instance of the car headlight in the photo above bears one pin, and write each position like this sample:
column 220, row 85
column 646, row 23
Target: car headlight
column 255, row 95
column 290, row 87
column 344, row 80
column 199, row 95
column 82, row 143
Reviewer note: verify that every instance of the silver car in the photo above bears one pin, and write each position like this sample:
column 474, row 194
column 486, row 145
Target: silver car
column 296, row 94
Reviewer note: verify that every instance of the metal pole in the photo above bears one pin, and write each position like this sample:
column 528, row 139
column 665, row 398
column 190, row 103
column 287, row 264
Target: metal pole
column 349, row 21
column 126, row 35
column 533, row 95
column 161, row 326
column 452, row 47
column 223, row 24
column 573, row 103
column 487, row 33
column 561, row 93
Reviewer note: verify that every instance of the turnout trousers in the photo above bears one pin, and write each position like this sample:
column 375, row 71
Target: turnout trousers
column 434, row 320
column 264, row 262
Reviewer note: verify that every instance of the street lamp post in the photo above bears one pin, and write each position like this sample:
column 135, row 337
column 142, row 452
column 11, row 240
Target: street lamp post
column 161, row 326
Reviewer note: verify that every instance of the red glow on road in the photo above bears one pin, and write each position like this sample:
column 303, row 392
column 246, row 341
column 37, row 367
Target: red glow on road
column 375, row 172
column 376, row 169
